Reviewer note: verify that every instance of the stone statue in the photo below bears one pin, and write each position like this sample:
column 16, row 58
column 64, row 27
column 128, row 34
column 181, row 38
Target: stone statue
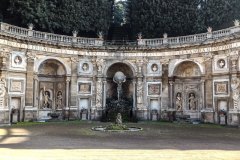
column 59, row 99
column 46, row 98
column 179, row 102
column 119, row 119
column 119, row 78
column 192, row 102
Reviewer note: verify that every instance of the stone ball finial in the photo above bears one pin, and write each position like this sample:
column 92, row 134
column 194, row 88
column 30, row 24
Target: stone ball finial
column 119, row 77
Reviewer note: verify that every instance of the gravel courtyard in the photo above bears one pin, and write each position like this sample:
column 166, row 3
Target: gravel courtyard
column 158, row 140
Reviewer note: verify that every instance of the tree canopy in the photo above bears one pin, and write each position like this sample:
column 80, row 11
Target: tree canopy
column 180, row 17
column 152, row 18
column 63, row 16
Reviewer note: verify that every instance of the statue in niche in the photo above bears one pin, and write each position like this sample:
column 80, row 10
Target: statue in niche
column 221, row 63
column 18, row 60
column 192, row 101
column 154, row 67
column 179, row 102
column 85, row 67
column 46, row 99
column 59, row 99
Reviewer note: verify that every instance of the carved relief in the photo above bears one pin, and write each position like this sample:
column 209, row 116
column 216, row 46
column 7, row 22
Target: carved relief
column 139, row 92
column 99, row 94
column 16, row 85
column 18, row 60
column 2, row 92
column 220, row 63
column 154, row 68
column 221, row 88
column 154, row 89
column 84, row 88
column 235, row 92
column 85, row 67
column 100, row 63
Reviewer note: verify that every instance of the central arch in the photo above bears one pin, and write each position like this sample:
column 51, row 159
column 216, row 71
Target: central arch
column 128, row 92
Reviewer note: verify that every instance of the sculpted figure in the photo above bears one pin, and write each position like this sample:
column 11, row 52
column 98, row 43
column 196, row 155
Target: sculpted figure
column 192, row 100
column 179, row 102
column 119, row 119
column 59, row 99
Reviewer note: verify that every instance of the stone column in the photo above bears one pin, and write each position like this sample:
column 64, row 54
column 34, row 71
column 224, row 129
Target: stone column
column 202, row 94
column 67, row 91
column 104, row 93
column 36, row 92
column 134, row 97
column 171, row 95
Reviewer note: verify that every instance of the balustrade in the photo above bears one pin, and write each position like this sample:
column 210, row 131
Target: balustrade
column 33, row 35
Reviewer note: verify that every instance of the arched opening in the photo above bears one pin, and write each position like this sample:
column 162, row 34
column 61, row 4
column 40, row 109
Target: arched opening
column 124, row 104
column 51, row 87
column 187, row 91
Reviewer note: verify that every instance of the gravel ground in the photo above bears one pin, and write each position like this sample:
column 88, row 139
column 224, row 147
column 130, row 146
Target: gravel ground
column 182, row 140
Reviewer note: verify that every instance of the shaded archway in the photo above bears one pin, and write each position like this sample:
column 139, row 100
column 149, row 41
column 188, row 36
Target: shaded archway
column 187, row 93
column 51, row 90
column 125, row 106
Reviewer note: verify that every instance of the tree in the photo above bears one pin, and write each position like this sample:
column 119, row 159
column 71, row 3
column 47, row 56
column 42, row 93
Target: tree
column 180, row 17
column 119, row 13
column 64, row 16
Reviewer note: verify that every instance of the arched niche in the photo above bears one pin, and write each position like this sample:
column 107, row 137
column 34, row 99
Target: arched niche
column 187, row 89
column 52, row 85
column 187, row 69
column 112, row 86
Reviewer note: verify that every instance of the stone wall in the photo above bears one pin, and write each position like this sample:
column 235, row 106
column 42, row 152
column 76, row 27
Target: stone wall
column 199, row 81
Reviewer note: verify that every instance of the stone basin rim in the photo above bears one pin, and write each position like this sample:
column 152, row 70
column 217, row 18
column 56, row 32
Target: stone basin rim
column 130, row 129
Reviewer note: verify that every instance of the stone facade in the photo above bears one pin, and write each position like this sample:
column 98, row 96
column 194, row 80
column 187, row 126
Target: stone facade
column 197, row 80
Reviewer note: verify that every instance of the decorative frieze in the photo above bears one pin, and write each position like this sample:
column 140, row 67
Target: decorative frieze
column 2, row 92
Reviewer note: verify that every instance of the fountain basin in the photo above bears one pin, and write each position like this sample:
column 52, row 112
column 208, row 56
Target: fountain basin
column 128, row 129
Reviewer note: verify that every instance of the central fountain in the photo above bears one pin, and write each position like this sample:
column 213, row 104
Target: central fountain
column 121, row 104
column 118, row 110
